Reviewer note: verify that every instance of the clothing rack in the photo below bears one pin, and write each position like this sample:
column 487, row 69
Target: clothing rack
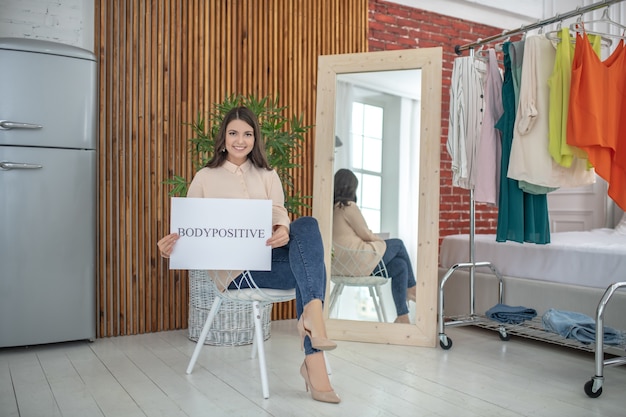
column 472, row 264
column 525, row 28
column 473, row 319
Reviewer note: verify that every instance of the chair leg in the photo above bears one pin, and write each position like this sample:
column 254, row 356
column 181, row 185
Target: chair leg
column 255, row 343
column 381, row 303
column 255, row 348
column 334, row 295
column 376, row 304
column 205, row 331
column 258, row 339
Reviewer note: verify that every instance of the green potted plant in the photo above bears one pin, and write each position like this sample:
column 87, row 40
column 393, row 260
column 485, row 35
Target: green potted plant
column 283, row 139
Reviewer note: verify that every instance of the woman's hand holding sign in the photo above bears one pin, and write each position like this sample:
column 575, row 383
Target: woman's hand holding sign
column 280, row 237
column 166, row 244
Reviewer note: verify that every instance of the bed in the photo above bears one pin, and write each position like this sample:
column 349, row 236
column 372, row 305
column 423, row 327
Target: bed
column 582, row 272
column 570, row 273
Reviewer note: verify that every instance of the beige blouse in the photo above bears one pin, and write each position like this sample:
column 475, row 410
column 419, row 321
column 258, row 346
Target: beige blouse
column 244, row 181
column 350, row 234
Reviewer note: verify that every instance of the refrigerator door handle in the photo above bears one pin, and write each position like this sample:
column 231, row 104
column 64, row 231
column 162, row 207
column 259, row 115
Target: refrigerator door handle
column 6, row 165
column 7, row 124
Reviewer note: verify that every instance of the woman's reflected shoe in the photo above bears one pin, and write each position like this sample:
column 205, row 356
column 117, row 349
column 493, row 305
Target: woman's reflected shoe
column 311, row 323
column 402, row 319
column 323, row 396
column 411, row 294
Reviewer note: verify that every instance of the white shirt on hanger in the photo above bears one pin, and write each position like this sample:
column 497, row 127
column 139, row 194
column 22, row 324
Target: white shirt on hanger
column 464, row 125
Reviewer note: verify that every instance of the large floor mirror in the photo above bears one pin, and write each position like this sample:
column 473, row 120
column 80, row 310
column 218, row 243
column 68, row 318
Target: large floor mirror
column 379, row 115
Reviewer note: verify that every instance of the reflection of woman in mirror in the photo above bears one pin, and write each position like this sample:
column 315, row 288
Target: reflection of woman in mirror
column 351, row 231
column 239, row 169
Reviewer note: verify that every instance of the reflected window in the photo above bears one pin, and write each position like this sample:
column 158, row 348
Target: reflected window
column 366, row 131
column 377, row 136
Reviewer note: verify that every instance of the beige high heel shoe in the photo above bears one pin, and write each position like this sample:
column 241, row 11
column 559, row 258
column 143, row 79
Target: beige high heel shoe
column 323, row 396
column 311, row 321
column 402, row 319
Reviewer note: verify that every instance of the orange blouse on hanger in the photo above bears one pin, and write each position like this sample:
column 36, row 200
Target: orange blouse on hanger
column 597, row 112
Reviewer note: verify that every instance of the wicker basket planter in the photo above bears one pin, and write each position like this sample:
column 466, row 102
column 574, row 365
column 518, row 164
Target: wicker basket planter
column 233, row 324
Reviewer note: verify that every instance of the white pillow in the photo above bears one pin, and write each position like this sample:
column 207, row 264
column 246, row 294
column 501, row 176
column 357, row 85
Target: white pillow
column 621, row 226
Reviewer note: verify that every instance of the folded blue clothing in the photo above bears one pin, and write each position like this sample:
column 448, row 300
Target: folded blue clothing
column 578, row 326
column 510, row 314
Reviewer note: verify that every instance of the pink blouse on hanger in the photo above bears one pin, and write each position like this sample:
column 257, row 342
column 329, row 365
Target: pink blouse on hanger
column 489, row 150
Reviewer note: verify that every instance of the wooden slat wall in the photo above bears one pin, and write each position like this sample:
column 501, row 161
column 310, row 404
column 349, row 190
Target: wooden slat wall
column 161, row 63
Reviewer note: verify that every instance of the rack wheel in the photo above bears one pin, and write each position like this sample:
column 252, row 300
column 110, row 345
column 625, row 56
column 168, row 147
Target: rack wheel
column 504, row 336
column 589, row 389
column 445, row 342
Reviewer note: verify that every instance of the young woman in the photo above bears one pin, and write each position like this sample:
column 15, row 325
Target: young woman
column 350, row 231
column 239, row 169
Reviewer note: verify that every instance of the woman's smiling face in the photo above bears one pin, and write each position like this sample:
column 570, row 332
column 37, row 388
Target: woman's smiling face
column 239, row 141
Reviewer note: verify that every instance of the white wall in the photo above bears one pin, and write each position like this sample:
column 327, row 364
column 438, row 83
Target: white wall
column 65, row 21
column 510, row 14
column 488, row 12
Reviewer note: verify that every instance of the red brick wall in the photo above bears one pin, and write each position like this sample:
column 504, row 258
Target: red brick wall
column 393, row 26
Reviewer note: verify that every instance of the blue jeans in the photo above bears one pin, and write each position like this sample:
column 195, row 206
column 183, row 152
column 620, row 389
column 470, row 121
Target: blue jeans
column 574, row 325
column 299, row 265
column 398, row 263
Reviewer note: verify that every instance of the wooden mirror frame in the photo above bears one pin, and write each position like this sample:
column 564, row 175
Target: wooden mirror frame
column 429, row 60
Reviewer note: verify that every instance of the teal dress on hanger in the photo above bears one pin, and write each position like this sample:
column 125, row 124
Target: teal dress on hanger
column 522, row 217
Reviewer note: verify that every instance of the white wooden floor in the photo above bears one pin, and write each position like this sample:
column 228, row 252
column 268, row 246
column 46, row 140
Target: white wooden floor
column 144, row 375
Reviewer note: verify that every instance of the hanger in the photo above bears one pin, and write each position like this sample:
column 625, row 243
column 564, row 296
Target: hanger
column 482, row 54
column 579, row 27
column 540, row 32
column 498, row 46
column 555, row 37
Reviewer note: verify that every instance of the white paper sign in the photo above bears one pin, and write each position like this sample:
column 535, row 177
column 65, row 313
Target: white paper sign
column 221, row 234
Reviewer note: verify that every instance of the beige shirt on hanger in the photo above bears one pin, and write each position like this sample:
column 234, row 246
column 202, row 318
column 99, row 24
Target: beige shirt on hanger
column 530, row 160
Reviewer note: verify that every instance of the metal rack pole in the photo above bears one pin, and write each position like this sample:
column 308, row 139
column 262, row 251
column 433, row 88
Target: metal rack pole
column 444, row 341
column 472, row 256
column 525, row 28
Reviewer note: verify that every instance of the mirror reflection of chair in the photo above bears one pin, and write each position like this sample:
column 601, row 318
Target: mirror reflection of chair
column 245, row 291
column 347, row 271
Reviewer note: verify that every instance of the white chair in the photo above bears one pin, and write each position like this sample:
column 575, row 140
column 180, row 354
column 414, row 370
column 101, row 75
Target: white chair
column 346, row 271
column 246, row 292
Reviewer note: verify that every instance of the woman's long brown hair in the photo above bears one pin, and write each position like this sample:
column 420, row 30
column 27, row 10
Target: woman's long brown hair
column 346, row 184
column 257, row 156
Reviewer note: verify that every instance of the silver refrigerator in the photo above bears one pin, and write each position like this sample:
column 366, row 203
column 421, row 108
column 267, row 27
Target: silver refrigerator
column 48, row 131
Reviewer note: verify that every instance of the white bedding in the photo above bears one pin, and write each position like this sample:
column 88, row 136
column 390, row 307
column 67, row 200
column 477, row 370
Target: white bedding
column 595, row 258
